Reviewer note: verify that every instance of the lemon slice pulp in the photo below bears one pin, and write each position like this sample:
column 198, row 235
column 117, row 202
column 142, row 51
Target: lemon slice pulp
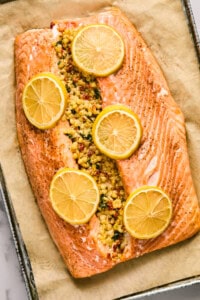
column 117, row 131
column 147, row 212
column 74, row 195
column 98, row 49
column 44, row 100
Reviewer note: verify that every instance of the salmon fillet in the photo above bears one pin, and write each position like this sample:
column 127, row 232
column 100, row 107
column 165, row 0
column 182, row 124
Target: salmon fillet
column 161, row 160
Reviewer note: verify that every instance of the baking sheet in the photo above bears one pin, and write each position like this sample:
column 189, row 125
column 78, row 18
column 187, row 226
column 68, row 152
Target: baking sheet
column 19, row 242
column 20, row 247
column 192, row 25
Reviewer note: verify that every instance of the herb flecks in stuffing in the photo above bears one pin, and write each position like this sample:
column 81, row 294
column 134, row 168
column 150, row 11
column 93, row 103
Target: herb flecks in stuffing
column 84, row 105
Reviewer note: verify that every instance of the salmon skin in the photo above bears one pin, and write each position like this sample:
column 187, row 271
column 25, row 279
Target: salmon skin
column 161, row 160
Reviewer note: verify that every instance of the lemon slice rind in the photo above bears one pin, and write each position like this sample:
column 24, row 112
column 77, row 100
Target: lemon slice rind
column 72, row 218
column 96, row 54
column 123, row 110
column 140, row 217
column 59, row 86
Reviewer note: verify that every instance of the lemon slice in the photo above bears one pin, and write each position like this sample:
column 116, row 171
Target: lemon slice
column 147, row 212
column 44, row 100
column 117, row 131
column 98, row 49
column 74, row 195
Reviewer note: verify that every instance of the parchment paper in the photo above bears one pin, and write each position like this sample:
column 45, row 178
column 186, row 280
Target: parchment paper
column 164, row 27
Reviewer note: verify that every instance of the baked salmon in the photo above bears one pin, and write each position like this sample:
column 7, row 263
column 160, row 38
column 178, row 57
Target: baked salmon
column 161, row 160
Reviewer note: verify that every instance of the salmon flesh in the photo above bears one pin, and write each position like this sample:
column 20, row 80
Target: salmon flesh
column 161, row 160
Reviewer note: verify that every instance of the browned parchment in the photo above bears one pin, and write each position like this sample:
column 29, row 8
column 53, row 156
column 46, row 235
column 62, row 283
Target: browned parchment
column 171, row 43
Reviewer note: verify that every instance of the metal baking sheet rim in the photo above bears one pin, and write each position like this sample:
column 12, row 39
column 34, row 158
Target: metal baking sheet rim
column 20, row 247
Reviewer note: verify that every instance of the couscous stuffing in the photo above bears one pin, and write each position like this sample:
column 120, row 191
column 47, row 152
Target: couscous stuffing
column 84, row 105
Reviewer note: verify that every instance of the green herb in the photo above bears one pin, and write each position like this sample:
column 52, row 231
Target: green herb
column 59, row 43
column 86, row 137
column 73, row 111
column 102, row 204
column 89, row 137
column 91, row 118
column 97, row 93
column 117, row 235
column 68, row 88
column 98, row 166
column 69, row 135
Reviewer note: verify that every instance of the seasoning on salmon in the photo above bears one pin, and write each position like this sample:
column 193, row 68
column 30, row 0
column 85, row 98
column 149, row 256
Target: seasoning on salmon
column 83, row 107
column 161, row 160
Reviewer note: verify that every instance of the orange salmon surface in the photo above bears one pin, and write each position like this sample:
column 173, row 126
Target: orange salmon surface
column 161, row 159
